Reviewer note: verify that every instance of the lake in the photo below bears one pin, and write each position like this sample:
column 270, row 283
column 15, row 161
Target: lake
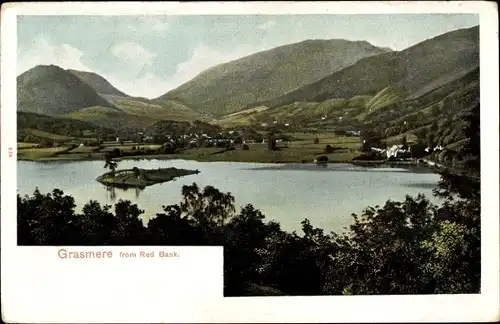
column 286, row 193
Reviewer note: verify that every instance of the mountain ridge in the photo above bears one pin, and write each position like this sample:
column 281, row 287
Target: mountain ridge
column 231, row 85
column 407, row 69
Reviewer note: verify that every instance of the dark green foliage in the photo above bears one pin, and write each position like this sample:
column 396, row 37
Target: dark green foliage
column 404, row 142
column 322, row 158
column 271, row 142
column 370, row 139
column 110, row 162
column 53, row 125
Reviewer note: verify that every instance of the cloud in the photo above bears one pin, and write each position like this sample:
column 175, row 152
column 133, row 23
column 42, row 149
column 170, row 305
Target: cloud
column 132, row 57
column 203, row 57
column 44, row 53
column 267, row 25
column 132, row 53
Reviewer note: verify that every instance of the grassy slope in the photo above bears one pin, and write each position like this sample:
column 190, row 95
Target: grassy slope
column 111, row 118
column 98, row 83
column 164, row 110
column 432, row 62
column 393, row 105
column 228, row 87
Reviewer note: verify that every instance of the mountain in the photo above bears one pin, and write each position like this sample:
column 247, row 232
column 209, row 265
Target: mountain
column 265, row 75
column 99, row 84
column 51, row 90
column 420, row 92
column 417, row 69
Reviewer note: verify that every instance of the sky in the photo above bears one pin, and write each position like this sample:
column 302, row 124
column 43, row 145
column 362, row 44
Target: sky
column 149, row 55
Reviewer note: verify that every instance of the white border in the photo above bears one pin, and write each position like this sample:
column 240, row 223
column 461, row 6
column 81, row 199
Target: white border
column 36, row 287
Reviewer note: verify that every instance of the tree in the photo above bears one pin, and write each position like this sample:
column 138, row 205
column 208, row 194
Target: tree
column 404, row 142
column 137, row 172
column 200, row 141
column 209, row 209
column 110, row 164
column 370, row 139
column 271, row 142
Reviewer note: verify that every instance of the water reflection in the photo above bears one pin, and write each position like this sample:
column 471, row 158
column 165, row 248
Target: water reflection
column 111, row 191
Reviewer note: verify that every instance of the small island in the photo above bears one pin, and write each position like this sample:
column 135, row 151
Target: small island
column 141, row 178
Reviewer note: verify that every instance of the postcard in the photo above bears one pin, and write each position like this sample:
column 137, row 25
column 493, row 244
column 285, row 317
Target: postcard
column 249, row 162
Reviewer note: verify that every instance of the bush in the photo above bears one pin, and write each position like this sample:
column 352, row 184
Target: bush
column 116, row 152
column 328, row 149
column 245, row 147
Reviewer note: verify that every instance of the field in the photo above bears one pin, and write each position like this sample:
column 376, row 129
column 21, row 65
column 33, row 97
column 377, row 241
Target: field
column 24, row 145
column 301, row 149
column 38, row 153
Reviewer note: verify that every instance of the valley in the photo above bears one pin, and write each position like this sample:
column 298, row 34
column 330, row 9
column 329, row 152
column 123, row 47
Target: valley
column 418, row 94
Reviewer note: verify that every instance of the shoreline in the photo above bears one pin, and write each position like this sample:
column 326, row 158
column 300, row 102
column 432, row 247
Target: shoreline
column 207, row 159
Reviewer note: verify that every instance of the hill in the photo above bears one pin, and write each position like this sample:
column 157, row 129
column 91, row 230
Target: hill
column 111, row 118
column 51, row 90
column 46, row 127
column 419, row 68
column 160, row 110
column 99, row 84
column 264, row 75
column 422, row 93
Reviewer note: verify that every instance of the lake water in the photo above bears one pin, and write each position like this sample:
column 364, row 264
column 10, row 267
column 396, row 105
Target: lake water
column 286, row 193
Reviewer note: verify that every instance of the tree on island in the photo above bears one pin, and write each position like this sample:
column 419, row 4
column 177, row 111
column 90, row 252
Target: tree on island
column 111, row 164
column 137, row 172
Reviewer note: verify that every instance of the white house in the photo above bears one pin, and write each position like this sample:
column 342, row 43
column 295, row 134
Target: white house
column 394, row 150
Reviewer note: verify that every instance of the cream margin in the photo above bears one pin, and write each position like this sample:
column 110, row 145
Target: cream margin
column 39, row 287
